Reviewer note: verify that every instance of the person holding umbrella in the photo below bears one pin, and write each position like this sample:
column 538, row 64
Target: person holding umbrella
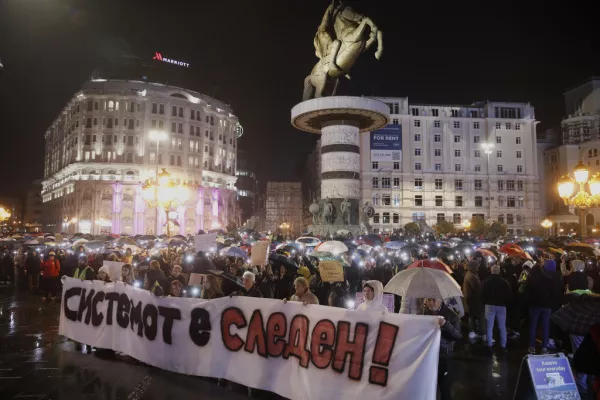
column 450, row 326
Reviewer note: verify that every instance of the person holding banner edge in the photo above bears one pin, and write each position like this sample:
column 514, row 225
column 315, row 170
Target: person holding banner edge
column 450, row 326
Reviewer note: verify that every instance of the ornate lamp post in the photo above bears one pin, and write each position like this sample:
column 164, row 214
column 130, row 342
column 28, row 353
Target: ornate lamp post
column 165, row 193
column 547, row 224
column 583, row 199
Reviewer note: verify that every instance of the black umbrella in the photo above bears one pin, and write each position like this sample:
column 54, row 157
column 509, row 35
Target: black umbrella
column 279, row 259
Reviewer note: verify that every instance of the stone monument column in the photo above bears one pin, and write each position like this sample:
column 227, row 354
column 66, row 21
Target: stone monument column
column 339, row 120
column 340, row 167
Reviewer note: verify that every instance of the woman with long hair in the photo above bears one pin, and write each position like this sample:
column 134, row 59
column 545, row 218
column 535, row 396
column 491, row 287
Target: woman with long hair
column 211, row 289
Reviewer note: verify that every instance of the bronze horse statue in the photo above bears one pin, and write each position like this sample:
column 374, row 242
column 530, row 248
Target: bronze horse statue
column 340, row 39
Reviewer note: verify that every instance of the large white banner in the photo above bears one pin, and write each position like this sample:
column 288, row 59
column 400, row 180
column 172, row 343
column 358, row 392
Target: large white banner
column 300, row 352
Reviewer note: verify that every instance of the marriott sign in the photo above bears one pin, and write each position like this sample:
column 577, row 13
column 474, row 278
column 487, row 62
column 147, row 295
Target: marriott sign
column 159, row 57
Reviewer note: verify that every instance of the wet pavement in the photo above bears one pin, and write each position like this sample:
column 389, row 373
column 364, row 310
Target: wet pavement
column 37, row 363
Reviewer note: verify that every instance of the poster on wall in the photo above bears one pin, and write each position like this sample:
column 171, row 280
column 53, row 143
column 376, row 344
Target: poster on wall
column 386, row 144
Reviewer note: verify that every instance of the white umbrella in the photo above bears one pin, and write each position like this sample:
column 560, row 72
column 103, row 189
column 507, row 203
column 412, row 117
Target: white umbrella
column 423, row 283
column 79, row 242
column 343, row 232
column 333, row 246
column 365, row 247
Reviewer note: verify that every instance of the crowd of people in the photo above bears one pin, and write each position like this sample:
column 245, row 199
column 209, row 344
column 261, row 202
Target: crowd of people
column 514, row 295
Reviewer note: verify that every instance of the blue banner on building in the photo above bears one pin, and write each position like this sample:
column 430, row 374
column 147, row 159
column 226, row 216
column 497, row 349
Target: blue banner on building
column 386, row 144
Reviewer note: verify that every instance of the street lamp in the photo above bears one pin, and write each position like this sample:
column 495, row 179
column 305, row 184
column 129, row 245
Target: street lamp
column 466, row 224
column 158, row 136
column 583, row 199
column 547, row 224
column 164, row 192
column 4, row 214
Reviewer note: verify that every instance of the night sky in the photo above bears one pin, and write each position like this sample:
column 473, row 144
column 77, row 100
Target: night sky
column 256, row 54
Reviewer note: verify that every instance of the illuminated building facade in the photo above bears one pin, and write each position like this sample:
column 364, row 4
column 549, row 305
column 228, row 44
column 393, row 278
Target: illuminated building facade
column 99, row 151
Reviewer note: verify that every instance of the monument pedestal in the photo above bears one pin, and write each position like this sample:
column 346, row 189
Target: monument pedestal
column 339, row 120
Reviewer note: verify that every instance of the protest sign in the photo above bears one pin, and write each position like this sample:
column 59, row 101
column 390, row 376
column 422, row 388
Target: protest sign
column 297, row 351
column 196, row 279
column 546, row 377
column 260, row 252
column 331, row 271
column 115, row 269
column 388, row 301
column 206, row 242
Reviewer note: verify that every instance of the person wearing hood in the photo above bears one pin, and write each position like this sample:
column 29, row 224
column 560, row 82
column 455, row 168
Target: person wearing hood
column 373, row 296
column 472, row 290
column 303, row 293
column 542, row 292
column 103, row 274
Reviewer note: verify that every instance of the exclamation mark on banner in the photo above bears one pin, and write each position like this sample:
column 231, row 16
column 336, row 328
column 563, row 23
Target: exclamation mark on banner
column 386, row 339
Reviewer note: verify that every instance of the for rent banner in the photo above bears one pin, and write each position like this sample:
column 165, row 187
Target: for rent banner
column 300, row 352
column 386, row 144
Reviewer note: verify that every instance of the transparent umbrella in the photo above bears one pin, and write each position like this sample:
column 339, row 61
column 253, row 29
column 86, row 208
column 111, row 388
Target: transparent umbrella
column 423, row 283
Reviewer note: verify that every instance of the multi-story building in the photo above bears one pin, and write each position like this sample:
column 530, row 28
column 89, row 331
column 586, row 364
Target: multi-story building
column 452, row 162
column 32, row 216
column 99, row 151
column 247, row 185
column 580, row 142
column 284, row 207
column 582, row 106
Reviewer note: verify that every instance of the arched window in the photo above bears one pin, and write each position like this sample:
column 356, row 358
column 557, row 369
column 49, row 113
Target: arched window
column 130, row 173
column 111, row 105
column 112, row 172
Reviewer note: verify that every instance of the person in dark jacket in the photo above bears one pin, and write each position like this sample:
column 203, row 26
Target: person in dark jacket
column 450, row 326
column 33, row 266
column 587, row 357
column 284, row 285
column 266, row 282
column 153, row 278
column 496, row 297
column 541, row 291
column 578, row 280
column 202, row 264
column 249, row 289
column 473, row 301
